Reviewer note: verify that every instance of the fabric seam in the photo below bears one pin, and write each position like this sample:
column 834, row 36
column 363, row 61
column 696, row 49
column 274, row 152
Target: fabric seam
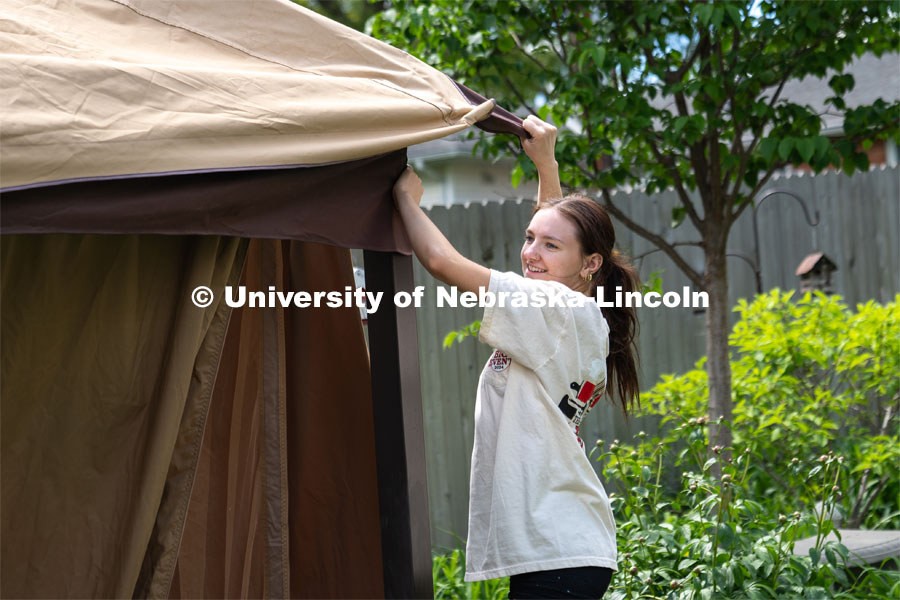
column 182, row 513
column 444, row 116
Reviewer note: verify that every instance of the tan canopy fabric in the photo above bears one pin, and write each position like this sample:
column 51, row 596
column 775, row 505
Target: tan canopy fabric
column 105, row 88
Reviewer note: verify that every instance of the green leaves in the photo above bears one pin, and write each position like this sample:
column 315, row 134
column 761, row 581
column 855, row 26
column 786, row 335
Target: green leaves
column 470, row 330
column 734, row 13
column 785, row 147
column 841, row 84
column 448, row 572
column 767, row 148
column 815, row 151
column 806, row 147
column 678, row 214
column 712, row 14
column 516, row 176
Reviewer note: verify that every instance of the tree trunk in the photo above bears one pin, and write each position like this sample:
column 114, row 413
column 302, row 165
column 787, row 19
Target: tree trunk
column 718, row 366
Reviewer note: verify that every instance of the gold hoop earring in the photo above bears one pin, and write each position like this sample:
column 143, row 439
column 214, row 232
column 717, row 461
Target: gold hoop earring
column 588, row 278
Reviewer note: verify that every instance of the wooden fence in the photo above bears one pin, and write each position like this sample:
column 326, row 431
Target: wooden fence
column 858, row 231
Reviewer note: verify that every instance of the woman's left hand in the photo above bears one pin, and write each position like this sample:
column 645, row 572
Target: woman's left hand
column 541, row 147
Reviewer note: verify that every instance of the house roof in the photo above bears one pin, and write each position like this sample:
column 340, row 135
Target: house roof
column 448, row 147
column 811, row 261
column 875, row 77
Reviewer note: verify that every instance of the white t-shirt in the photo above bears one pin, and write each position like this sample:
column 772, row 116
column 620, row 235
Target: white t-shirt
column 535, row 502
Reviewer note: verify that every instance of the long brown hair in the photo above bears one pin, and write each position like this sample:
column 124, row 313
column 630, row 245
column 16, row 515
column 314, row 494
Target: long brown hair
column 596, row 234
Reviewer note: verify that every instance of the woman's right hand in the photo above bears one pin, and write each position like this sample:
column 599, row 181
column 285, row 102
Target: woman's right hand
column 408, row 187
column 541, row 147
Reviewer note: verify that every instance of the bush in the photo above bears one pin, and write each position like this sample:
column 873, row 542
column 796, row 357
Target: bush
column 815, row 442
column 810, row 378
column 815, row 433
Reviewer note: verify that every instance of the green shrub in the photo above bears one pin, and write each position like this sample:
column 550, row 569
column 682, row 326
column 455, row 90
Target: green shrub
column 815, row 434
column 809, row 378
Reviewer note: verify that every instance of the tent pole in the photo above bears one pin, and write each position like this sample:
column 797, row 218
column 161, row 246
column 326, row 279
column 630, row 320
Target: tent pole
column 399, row 431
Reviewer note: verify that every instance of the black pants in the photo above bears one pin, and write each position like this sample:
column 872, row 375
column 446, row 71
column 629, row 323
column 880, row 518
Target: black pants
column 580, row 582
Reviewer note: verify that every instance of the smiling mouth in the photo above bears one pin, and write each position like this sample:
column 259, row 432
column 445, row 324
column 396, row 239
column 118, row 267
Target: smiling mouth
column 532, row 269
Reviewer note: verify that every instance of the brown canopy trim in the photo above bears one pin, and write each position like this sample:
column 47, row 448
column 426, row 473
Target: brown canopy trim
column 499, row 121
column 347, row 204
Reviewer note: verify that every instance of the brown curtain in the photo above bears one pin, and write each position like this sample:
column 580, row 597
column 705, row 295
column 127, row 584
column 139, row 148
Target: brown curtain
column 107, row 371
column 284, row 503
column 334, row 529
column 151, row 448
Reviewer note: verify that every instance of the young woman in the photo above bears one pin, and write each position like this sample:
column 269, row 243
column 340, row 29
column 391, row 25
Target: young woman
column 537, row 511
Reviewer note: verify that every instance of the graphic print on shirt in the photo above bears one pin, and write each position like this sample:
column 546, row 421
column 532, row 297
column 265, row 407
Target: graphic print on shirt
column 499, row 361
column 586, row 395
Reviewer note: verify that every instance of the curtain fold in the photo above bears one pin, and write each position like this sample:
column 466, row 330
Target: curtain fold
column 334, row 515
column 284, row 503
column 107, row 368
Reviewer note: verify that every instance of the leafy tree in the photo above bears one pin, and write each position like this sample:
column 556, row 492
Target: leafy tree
column 352, row 13
column 664, row 94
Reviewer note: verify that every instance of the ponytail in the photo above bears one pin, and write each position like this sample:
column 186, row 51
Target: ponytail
column 621, row 366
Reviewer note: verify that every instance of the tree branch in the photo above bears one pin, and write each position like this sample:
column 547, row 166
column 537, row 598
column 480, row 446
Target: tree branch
column 660, row 243
column 729, row 85
column 749, row 150
column 679, row 184
column 527, row 54
column 697, row 158
column 561, row 53
column 676, row 76
column 518, row 95
column 674, row 245
column 717, row 184
column 763, row 181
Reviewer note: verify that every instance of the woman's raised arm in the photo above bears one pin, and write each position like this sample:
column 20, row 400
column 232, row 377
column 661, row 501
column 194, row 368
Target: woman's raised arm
column 433, row 250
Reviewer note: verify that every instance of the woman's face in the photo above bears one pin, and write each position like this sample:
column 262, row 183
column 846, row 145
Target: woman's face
column 552, row 251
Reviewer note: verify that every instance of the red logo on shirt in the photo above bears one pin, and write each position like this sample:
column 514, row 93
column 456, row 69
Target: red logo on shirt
column 499, row 361
column 586, row 396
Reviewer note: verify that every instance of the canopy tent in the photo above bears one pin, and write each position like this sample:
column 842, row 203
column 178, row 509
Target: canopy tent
column 154, row 448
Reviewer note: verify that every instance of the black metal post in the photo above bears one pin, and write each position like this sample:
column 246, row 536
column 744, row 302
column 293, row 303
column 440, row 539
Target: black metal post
column 756, row 204
column 399, row 431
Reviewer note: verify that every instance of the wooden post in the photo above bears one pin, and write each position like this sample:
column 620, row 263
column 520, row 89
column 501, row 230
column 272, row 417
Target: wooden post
column 399, row 431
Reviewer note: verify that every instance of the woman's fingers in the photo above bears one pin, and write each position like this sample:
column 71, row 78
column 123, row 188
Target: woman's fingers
column 540, row 148
column 538, row 128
